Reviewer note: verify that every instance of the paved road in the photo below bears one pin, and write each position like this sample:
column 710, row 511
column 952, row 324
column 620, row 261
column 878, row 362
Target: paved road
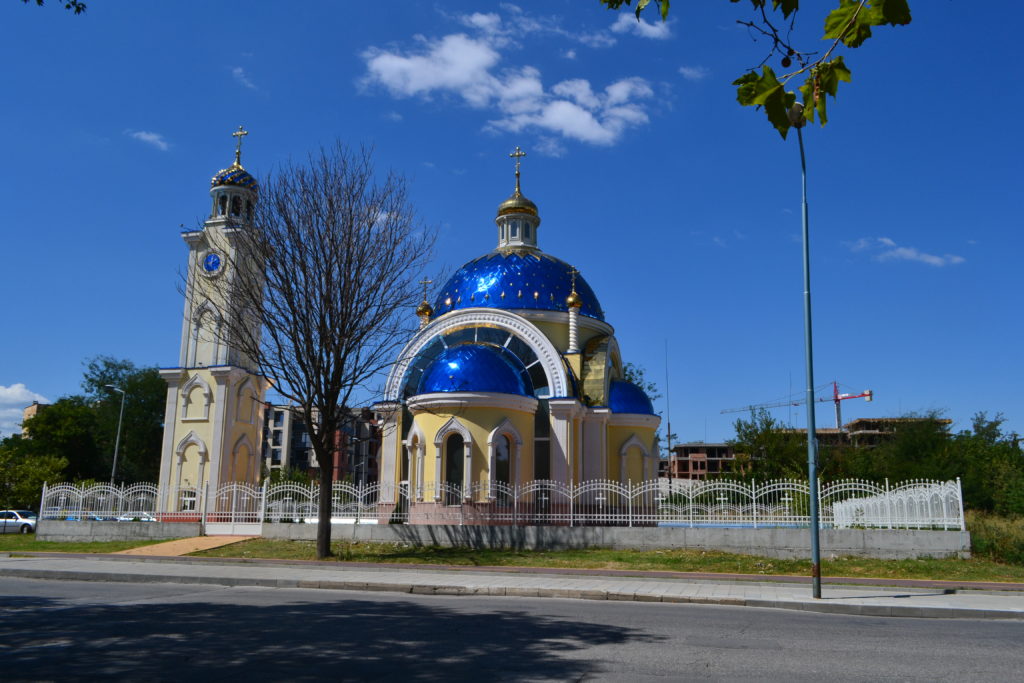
column 69, row 630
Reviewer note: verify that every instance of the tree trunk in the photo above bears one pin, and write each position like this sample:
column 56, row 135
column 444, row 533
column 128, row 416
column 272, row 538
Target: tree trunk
column 323, row 529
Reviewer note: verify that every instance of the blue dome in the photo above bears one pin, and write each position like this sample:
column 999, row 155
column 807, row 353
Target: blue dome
column 475, row 367
column 626, row 397
column 515, row 279
column 235, row 175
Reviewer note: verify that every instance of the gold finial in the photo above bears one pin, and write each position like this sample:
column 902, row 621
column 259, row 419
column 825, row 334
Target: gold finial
column 573, row 300
column 517, row 155
column 240, row 133
column 425, row 309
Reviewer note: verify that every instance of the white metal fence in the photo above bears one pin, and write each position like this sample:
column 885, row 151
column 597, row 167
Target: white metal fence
column 661, row 502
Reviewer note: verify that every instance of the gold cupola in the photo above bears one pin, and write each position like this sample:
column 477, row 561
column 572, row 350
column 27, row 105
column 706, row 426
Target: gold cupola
column 517, row 217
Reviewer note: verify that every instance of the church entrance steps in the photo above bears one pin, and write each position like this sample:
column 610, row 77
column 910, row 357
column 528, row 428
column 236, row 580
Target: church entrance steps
column 184, row 546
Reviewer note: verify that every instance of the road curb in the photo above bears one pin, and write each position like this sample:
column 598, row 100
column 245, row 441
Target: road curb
column 823, row 607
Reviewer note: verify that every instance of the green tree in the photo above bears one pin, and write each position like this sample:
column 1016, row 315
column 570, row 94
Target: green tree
column 767, row 449
column 67, row 430
column 845, row 27
column 142, row 428
column 24, row 470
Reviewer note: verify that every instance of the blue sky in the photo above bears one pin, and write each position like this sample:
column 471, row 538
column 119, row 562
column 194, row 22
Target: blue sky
column 680, row 208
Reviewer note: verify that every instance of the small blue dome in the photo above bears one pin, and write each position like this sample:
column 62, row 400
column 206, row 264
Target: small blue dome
column 475, row 367
column 626, row 397
column 235, row 175
column 513, row 279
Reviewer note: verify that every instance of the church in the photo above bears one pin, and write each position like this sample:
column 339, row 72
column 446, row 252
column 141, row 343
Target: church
column 513, row 376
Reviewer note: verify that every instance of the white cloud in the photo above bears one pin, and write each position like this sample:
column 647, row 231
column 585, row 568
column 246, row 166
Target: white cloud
column 238, row 73
column 155, row 139
column 549, row 146
column 627, row 23
column 569, row 54
column 393, row 116
column 13, row 400
column 886, row 249
column 694, row 73
column 468, row 68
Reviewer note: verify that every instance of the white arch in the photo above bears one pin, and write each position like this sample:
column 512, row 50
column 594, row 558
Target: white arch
column 550, row 359
column 242, row 441
column 416, row 446
column 186, row 389
column 191, row 439
column 632, row 442
column 197, row 320
column 453, row 425
column 240, row 397
column 506, row 428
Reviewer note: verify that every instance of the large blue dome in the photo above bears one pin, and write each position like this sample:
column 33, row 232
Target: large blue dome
column 512, row 279
column 626, row 397
column 475, row 367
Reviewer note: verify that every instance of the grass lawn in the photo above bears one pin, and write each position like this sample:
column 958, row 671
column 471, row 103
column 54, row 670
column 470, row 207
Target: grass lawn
column 976, row 569
column 28, row 542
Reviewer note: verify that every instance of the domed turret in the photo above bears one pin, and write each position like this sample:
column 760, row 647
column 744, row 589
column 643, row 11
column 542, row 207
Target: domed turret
column 626, row 397
column 234, row 189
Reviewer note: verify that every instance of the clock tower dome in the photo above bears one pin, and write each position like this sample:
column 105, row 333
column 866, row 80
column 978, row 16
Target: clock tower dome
column 213, row 417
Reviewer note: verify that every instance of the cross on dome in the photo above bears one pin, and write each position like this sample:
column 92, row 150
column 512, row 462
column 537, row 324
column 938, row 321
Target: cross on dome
column 517, row 155
column 240, row 133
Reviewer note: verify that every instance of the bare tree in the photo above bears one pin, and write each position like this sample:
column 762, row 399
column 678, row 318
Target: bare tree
column 322, row 288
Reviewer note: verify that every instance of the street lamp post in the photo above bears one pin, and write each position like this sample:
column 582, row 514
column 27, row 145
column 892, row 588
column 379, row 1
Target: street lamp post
column 117, row 441
column 796, row 117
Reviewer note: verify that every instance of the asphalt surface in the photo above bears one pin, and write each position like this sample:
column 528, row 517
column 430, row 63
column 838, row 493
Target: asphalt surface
column 919, row 600
column 70, row 630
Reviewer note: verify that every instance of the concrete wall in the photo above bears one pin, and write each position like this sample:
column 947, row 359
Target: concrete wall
column 54, row 530
column 772, row 542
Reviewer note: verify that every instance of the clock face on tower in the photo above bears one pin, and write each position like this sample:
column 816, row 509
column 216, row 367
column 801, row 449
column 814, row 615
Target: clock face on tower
column 211, row 263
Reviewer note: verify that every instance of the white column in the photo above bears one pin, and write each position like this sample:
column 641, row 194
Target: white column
column 562, row 412
column 390, row 431
column 595, row 439
column 574, row 326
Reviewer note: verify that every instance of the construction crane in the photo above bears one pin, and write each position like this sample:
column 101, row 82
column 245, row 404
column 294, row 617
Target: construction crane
column 836, row 398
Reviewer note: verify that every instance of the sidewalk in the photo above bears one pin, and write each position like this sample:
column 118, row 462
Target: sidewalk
column 921, row 599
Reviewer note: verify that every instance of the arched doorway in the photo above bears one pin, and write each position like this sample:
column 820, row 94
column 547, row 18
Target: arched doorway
column 454, row 464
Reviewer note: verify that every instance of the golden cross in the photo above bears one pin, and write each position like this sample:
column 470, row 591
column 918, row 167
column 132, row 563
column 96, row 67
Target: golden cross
column 517, row 155
column 573, row 273
column 240, row 133
column 425, row 282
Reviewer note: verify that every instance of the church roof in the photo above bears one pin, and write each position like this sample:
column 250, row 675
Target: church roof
column 516, row 279
column 626, row 397
column 235, row 175
column 475, row 367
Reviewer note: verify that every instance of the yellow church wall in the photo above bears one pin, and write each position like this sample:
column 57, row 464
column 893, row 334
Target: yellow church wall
column 480, row 422
column 618, row 435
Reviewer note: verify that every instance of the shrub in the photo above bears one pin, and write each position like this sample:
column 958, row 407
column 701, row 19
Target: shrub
column 996, row 537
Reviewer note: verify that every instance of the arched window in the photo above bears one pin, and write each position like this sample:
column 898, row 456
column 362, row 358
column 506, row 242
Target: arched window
column 248, row 211
column 236, row 206
column 222, row 205
column 454, row 456
column 503, row 460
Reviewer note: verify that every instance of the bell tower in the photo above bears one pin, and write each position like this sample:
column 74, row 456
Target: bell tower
column 214, row 413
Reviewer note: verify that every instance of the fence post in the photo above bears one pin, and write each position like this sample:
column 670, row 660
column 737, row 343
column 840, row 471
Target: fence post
column 689, row 503
column 888, row 504
column 263, row 504
column 629, row 500
column 202, row 515
column 359, row 500
column 515, row 504
column 960, row 500
column 42, row 501
column 753, row 499
column 571, row 501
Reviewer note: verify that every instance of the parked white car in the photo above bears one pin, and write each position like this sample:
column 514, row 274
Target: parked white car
column 17, row 522
column 136, row 517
